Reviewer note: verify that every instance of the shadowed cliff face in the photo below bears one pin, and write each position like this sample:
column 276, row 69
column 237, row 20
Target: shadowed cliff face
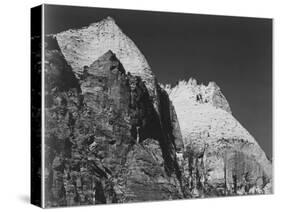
column 105, row 142
column 113, row 135
column 83, row 46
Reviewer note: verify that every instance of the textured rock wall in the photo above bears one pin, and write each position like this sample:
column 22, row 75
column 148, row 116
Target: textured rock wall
column 220, row 157
column 201, row 94
column 104, row 139
column 83, row 46
column 113, row 134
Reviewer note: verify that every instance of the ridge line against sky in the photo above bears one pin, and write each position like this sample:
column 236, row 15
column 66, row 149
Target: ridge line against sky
column 234, row 52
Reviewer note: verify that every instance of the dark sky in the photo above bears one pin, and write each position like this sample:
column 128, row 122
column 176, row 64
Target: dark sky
column 235, row 52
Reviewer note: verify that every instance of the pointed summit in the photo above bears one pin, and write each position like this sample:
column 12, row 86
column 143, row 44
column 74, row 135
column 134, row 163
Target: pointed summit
column 108, row 21
column 199, row 93
column 83, row 46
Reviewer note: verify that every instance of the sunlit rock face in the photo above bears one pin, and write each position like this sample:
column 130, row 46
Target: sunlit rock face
column 220, row 156
column 83, row 46
column 104, row 142
column 114, row 135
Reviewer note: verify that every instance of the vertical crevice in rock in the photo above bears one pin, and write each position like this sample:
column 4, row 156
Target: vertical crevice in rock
column 92, row 126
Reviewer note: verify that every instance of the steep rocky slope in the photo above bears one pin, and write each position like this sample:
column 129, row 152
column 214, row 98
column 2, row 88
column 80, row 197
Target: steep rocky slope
column 113, row 135
column 83, row 46
column 104, row 141
column 220, row 156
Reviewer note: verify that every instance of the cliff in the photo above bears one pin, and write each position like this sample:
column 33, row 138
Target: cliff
column 83, row 46
column 220, row 156
column 114, row 135
column 104, row 139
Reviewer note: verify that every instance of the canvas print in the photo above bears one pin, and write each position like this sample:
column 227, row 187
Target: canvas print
column 133, row 106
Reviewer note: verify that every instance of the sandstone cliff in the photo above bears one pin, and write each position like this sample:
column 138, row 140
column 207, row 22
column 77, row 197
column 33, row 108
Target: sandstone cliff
column 105, row 142
column 114, row 135
column 220, row 156
column 83, row 46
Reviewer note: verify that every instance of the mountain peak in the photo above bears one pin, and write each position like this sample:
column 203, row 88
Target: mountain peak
column 213, row 135
column 83, row 46
column 199, row 93
column 109, row 21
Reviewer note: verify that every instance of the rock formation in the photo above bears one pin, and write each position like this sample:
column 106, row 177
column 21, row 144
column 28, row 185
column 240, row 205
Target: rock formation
column 113, row 135
column 220, row 156
column 83, row 46
column 105, row 142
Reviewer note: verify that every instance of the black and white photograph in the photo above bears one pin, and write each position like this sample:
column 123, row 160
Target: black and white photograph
column 139, row 106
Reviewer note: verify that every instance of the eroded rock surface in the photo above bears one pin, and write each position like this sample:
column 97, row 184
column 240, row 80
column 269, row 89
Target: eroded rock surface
column 83, row 46
column 220, row 156
column 104, row 139
column 114, row 135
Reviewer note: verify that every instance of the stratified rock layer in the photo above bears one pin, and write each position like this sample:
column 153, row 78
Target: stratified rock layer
column 220, row 156
column 104, row 140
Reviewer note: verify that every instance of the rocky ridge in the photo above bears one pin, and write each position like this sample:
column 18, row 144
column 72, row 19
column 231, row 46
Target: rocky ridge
column 220, row 156
column 104, row 140
column 83, row 46
column 114, row 135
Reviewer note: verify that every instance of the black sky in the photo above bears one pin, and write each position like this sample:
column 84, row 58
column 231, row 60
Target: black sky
column 235, row 52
